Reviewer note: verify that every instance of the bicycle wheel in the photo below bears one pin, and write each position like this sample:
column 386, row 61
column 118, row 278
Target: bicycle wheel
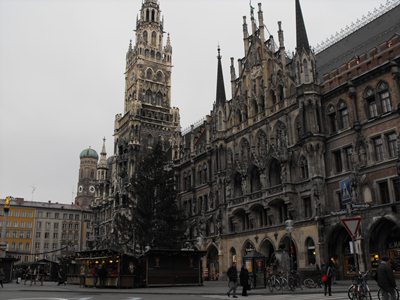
column 380, row 294
column 277, row 284
column 309, row 283
column 352, row 292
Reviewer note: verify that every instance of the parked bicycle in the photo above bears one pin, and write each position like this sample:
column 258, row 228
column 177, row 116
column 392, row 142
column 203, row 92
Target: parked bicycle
column 273, row 282
column 310, row 283
column 360, row 290
column 294, row 281
column 381, row 298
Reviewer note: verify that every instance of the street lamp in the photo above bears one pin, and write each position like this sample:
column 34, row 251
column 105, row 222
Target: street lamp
column 289, row 228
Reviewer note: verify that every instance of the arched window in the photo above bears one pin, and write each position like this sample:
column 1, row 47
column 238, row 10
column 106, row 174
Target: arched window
column 303, row 167
column 332, row 118
column 372, row 108
column 220, row 120
column 255, row 107
column 149, row 74
column 153, row 38
column 205, row 172
column 148, row 96
column 343, row 115
column 384, row 97
column 310, row 248
column 306, row 71
column 145, row 36
column 153, row 15
column 281, row 93
column 150, row 140
column 274, row 173
column 273, row 97
column 299, row 128
column 159, row 99
column 159, row 76
column 147, row 15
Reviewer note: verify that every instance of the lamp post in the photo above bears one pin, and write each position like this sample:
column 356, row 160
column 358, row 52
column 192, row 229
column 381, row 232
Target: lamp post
column 289, row 228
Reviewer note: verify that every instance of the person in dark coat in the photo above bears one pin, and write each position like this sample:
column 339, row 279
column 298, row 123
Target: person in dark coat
column 386, row 280
column 244, row 280
column 61, row 277
column 233, row 277
column 328, row 283
column 2, row 277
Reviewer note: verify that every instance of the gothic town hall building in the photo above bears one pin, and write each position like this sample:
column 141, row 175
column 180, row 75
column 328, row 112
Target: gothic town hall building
column 295, row 128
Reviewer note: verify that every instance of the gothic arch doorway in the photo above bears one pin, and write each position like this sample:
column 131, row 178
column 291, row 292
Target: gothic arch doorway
column 385, row 240
column 287, row 245
column 212, row 263
column 267, row 249
column 339, row 252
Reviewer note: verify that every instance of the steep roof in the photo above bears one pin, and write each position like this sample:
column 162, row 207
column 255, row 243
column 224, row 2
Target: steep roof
column 360, row 41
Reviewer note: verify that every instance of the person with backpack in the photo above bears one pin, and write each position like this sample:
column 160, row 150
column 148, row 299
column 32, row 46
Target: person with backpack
column 385, row 279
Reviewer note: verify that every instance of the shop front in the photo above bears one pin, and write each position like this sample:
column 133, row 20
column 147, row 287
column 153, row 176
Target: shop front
column 106, row 268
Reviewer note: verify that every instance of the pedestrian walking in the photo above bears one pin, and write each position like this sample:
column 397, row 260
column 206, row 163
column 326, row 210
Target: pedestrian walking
column 327, row 278
column 386, row 280
column 2, row 277
column 18, row 274
column 41, row 275
column 233, row 277
column 34, row 275
column 244, row 280
column 27, row 274
column 94, row 275
column 82, row 276
column 61, row 277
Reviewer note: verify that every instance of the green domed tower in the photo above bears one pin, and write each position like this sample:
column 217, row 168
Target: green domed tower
column 87, row 177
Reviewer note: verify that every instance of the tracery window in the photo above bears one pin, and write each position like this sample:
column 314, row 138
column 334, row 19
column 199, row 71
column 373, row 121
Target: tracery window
column 372, row 108
column 343, row 115
column 384, row 96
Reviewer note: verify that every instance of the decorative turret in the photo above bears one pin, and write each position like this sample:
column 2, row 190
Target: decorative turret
column 304, row 58
column 221, row 97
column 245, row 36
column 102, row 165
column 261, row 23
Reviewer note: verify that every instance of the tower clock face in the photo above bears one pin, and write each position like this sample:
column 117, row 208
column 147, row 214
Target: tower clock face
column 92, row 189
column 80, row 189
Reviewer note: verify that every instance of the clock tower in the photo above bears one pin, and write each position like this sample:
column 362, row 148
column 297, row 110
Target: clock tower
column 148, row 117
column 87, row 178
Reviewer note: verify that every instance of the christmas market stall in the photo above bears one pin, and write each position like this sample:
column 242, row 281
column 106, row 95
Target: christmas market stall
column 106, row 268
column 172, row 267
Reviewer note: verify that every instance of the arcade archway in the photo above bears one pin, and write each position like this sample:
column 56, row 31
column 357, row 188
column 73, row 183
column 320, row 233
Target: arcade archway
column 287, row 244
column 339, row 252
column 267, row 249
column 212, row 263
column 385, row 240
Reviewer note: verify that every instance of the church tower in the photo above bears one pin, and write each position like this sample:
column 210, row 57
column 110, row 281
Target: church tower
column 87, row 178
column 148, row 116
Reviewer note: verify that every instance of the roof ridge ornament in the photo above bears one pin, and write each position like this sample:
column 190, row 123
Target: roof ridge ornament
column 354, row 26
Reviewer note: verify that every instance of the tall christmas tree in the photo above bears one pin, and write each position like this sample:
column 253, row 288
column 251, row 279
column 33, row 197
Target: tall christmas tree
column 159, row 222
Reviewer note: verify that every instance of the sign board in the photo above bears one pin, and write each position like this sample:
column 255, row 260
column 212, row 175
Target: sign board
column 352, row 225
column 345, row 189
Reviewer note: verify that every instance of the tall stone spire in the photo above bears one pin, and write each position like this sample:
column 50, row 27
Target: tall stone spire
column 221, row 97
column 103, row 156
column 301, row 33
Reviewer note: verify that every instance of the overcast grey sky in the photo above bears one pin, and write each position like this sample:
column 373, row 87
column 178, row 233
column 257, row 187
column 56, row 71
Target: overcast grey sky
column 62, row 81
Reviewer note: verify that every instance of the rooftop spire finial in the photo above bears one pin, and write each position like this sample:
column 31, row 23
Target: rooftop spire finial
column 221, row 97
column 301, row 33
